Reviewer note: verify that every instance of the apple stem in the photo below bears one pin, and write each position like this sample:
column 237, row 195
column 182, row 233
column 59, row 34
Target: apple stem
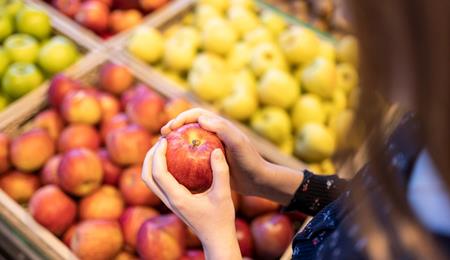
column 195, row 142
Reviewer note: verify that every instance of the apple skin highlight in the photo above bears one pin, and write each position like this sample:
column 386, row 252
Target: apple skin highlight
column 188, row 156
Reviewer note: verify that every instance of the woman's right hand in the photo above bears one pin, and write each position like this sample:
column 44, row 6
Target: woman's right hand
column 248, row 169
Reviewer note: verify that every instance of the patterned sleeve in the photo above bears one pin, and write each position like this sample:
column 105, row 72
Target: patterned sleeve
column 316, row 192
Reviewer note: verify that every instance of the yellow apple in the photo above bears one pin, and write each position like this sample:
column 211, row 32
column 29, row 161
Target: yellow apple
column 178, row 54
column 347, row 50
column 204, row 13
column 278, row 88
column 248, row 4
column 299, row 45
column 327, row 51
column 328, row 167
column 257, row 36
column 272, row 21
column 272, row 123
column 209, row 78
column 245, row 80
column 308, row 109
column 147, row 44
column 320, row 77
column 220, row 5
column 242, row 19
column 346, row 77
column 341, row 123
column 266, row 56
column 239, row 56
column 314, row 168
column 189, row 34
column 314, row 143
column 287, row 146
column 218, row 36
column 240, row 105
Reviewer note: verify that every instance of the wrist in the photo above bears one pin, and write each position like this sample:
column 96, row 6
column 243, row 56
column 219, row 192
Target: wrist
column 222, row 245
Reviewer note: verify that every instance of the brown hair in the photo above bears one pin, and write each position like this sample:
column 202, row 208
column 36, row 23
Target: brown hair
column 404, row 53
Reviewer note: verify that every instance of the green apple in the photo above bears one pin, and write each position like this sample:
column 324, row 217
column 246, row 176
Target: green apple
column 4, row 61
column 11, row 7
column 204, row 13
column 314, row 143
column 266, row 56
column 320, row 77
column 6, row 26
column 287, row 146
column 272, row 123
column 20, row 78
column 4, row 101
column 22, row 48
column 218, row 36
column 257, row 36
column 341, row 124
column 247, row 4
column 242, row 19
column 220, row 5
column 209, row 78
column 308, row 108
column 33, row 22
column 239, row 56
column 327, row 51
column 178, row 54
column 272, row 21
column 347, row 50
column 57, row 54
column 146, row 44
column 346, row 77
column 240, row 105
column 299, row 45
column 278, row 88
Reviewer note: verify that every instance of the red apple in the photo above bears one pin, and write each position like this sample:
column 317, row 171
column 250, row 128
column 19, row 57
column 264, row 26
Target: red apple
column 244, row 237
column 118, row 121
column 149, row 5
column 106, row 2
column 193, row 254
column 122, row 20
column 137, row 90
column 128, row 145
column 272, row 234
column 81, row 106
column 109, row 105
column 147, row 110
column 49, row 174
column 125, row 4
column 30, row 150
column 51, row 121
column 134, row 190
column 78, row 136
column 124, row 255
column 161, row 238
column 252, row 206
column 175, row 106
column 59, row 87
column 188, row 155
column 19, row 186
column 111, row 171
column 67, row 7
column 192, row 240
column 115, row 78
column 93, row 15
column 132, row 219
column 4, row 153
column 97, row 239
column 104, row 203
column 80, row 171
column 53, row 209
column 236, row 200
column 67, row 237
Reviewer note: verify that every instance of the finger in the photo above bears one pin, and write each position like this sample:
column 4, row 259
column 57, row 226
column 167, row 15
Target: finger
column 226, row 132
column 189, row 116
column 221, row 173
column 168, row 184
column 165, row 130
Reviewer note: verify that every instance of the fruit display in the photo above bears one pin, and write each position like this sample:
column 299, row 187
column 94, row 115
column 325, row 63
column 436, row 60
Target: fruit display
column 76, row 166
column 287, row 83
column 107, row 17
column 30, row 51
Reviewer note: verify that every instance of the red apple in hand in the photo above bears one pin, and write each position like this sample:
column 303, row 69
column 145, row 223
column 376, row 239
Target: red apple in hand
column 188, row 156
column 244, row 237
column 272, row 234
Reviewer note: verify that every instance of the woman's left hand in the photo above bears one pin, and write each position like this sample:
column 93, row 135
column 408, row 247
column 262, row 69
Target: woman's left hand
column 210, row 214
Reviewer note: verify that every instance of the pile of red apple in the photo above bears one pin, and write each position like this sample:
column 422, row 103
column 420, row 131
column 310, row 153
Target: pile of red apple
column 78, row 168
column 107, row 17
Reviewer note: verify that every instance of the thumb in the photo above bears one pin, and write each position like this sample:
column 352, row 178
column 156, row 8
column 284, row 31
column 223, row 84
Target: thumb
column 221, row 174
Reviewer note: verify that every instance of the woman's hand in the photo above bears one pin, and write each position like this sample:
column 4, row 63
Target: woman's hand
column 210, row 214
column 246, row 165
column 250, row 173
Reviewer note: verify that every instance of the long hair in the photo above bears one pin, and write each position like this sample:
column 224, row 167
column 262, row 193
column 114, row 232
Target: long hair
column 404, row 56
